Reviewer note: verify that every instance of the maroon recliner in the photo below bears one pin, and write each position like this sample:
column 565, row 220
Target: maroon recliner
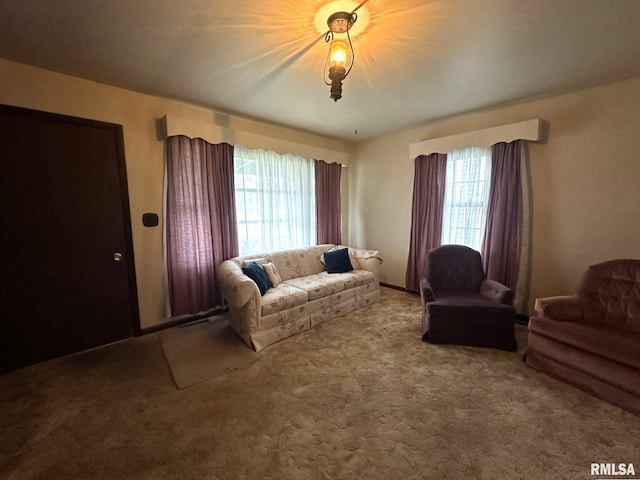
column 591, row 339
column 461, row 306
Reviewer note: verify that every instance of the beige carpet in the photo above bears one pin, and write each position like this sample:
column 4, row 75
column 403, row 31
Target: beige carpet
column 358, row 397
column 204, row 350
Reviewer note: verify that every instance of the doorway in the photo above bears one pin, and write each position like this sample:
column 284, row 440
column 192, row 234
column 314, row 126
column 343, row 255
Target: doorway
column 67, row 276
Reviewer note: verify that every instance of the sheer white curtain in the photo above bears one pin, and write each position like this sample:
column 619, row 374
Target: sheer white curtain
column 275, row 200
column 466, row 195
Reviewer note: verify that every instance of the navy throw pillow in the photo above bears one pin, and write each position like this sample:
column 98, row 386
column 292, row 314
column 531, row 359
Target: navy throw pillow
column 337, row 261
column 256, row 273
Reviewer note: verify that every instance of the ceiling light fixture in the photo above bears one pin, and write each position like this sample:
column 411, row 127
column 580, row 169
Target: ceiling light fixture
column 340, row 57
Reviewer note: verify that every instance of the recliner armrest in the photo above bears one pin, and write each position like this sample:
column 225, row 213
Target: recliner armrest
column 566, row 308
column 496, row 292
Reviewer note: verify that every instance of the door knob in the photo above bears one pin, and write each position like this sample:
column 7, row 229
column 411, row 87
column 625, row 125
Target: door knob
column 117, row 257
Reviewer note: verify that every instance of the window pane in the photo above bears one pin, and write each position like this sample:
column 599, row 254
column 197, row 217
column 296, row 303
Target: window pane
column 466, row 195
column 275, row 201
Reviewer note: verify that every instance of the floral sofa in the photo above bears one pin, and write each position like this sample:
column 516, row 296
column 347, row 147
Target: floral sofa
column 306, row 296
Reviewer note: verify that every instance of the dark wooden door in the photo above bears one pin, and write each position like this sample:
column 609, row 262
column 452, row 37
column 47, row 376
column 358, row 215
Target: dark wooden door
column 67, row 279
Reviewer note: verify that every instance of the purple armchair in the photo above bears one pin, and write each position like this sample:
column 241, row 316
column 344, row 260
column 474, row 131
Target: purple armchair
column 461, row 306
column 591, row 339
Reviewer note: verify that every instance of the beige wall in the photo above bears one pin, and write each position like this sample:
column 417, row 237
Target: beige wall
column 34, row 88
column 586, row 198
column 584, row 179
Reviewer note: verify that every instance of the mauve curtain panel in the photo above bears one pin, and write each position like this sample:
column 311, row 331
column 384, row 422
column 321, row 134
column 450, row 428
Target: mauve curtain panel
column 201, row 221
column 328, row 209
column 426, row 216
column 502, row 237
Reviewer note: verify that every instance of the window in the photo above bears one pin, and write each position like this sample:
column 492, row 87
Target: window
column 471, row 196
column 275, row 200
column 466, row 194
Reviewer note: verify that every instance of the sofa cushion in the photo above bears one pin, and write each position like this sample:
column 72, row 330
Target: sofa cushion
column 607, row 341
column 355, row 265
column 337, row 261
column 299, row 262
column 317, row 285
column 281, row 298
column 351, row 279
column 272, row 273
column 255, row 272
column 457, row 304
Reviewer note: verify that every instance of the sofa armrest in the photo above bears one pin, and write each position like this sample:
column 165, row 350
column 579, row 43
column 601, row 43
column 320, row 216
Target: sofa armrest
column 237, row 288
column 496, row 292
column 566, row 308
column 370, row 258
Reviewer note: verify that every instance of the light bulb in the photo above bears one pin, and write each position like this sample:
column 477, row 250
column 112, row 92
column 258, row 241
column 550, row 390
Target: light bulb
column 339, row 49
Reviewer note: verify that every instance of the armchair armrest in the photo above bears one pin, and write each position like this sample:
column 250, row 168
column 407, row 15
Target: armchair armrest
column 426, row 293
column 496, row 292
column 566, row 308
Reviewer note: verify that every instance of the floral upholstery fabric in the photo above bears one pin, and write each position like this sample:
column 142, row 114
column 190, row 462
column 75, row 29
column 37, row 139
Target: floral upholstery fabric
column 287, row 326
column 299, row 262
column 282, row 297
column 351, row 279
column 335, row 308
column 308, row 295
column 317, row 285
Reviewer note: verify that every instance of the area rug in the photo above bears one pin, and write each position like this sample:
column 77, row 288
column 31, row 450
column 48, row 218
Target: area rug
column 202, row 351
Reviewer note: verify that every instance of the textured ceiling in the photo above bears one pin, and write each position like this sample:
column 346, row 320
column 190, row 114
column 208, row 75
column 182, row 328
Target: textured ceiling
column 415, row 62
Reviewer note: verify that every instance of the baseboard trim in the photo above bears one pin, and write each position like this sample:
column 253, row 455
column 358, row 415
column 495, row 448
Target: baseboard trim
column 396, row 287
column 176, row 322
